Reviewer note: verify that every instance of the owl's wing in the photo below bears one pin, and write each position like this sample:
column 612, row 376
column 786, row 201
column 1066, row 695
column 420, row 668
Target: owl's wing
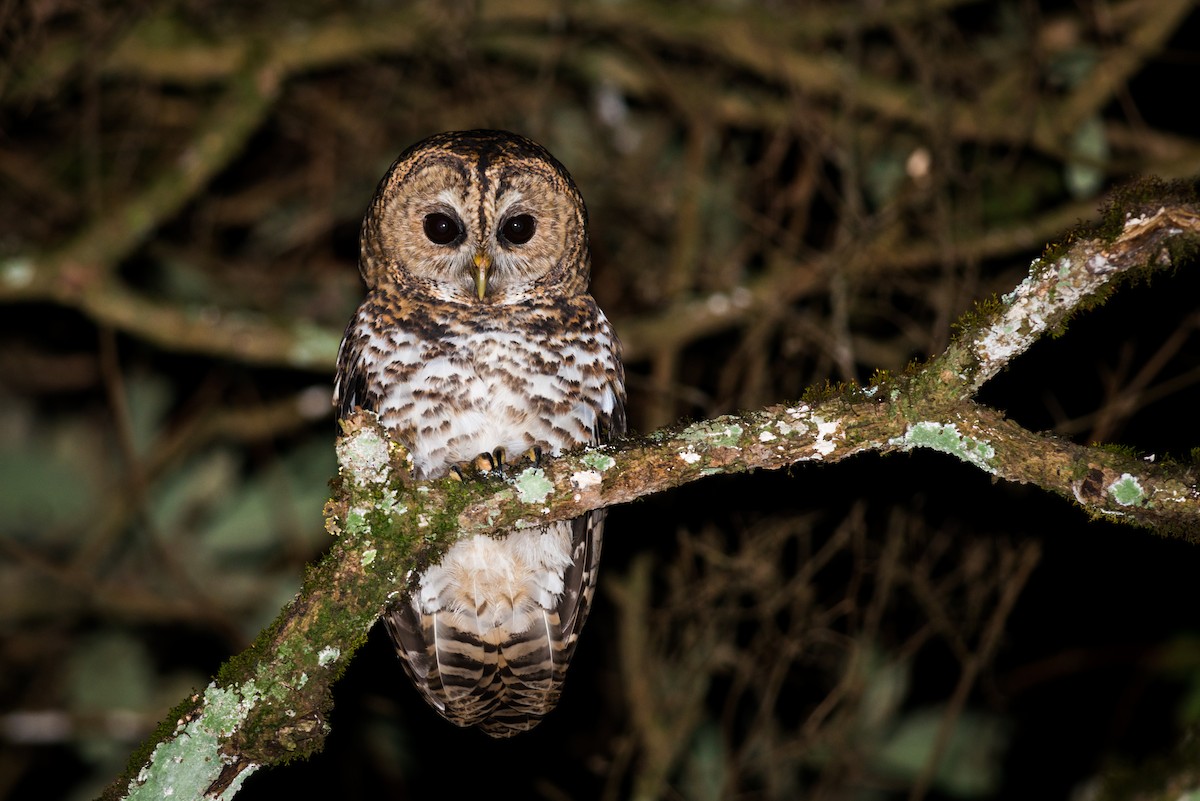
column 352, row 386
column 579, row 581
column 612, row 425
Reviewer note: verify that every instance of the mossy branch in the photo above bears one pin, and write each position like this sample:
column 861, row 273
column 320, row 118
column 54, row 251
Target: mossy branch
column 271, row 703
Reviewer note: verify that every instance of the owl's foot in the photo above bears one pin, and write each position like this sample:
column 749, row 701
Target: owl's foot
column 496, row 464
column 530, row 458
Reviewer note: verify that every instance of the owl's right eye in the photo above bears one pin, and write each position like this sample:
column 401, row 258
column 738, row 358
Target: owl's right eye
column 442, row 229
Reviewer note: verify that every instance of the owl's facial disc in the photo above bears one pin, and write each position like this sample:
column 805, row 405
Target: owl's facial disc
column 486, row 233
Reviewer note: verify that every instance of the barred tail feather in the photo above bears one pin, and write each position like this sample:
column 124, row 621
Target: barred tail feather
column 497, row 655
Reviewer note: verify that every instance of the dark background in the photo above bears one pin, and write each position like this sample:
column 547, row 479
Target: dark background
column 181, row 186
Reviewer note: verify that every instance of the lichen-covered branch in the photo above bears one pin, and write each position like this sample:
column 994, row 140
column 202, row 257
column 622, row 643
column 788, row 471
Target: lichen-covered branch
column 1062, row 283
column 271, row 703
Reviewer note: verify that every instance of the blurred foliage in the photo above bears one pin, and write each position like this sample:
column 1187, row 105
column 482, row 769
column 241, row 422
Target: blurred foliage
column 781, row 193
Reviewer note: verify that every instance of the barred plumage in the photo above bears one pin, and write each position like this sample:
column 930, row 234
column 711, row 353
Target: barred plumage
column 477, row 333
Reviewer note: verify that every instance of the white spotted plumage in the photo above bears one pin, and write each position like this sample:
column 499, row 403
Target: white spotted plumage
column 458, row 360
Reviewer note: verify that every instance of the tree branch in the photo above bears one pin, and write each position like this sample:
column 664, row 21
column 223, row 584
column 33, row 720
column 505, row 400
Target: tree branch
column 82, row 274
column 270, row 704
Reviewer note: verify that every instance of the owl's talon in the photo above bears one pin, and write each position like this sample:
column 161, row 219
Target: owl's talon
column 483, row 463
column 531, row 457
column 496, row 465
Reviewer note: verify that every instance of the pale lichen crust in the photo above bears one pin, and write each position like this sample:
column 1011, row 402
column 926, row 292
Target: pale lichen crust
column 945, row 437
column 365, row 456
column 532, row 485
column 183, row 766
column 1127, row 491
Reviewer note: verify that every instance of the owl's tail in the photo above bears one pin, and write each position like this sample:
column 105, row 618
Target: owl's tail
column 495, row 658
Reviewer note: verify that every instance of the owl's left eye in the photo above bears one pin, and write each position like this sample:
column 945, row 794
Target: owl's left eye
column 518, row 230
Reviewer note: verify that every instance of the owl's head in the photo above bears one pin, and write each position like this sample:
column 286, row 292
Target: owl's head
column 476, row 217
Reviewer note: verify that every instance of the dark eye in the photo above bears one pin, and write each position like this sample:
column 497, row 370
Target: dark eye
column 442, row 229
column 518, row 230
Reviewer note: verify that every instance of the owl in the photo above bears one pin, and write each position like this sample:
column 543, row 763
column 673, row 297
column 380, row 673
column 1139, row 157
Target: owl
column 478, row 346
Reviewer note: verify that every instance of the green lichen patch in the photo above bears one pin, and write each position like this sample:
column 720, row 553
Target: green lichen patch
column 598, row 461
column 184, row 772
column 715, row 433
column 184, row 766
column 356, row 523
column 1127, row 491
column 368, row 556
column 225, row 710
column 945, row 437
column 328, row 655
column 387, row 503
column 532, row 485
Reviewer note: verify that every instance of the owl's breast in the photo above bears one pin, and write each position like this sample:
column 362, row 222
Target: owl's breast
column 463, row 394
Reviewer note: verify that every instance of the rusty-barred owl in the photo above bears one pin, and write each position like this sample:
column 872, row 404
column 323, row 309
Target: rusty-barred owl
column 478, row 339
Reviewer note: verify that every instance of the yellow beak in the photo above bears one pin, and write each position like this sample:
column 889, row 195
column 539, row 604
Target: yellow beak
column 483, row 265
